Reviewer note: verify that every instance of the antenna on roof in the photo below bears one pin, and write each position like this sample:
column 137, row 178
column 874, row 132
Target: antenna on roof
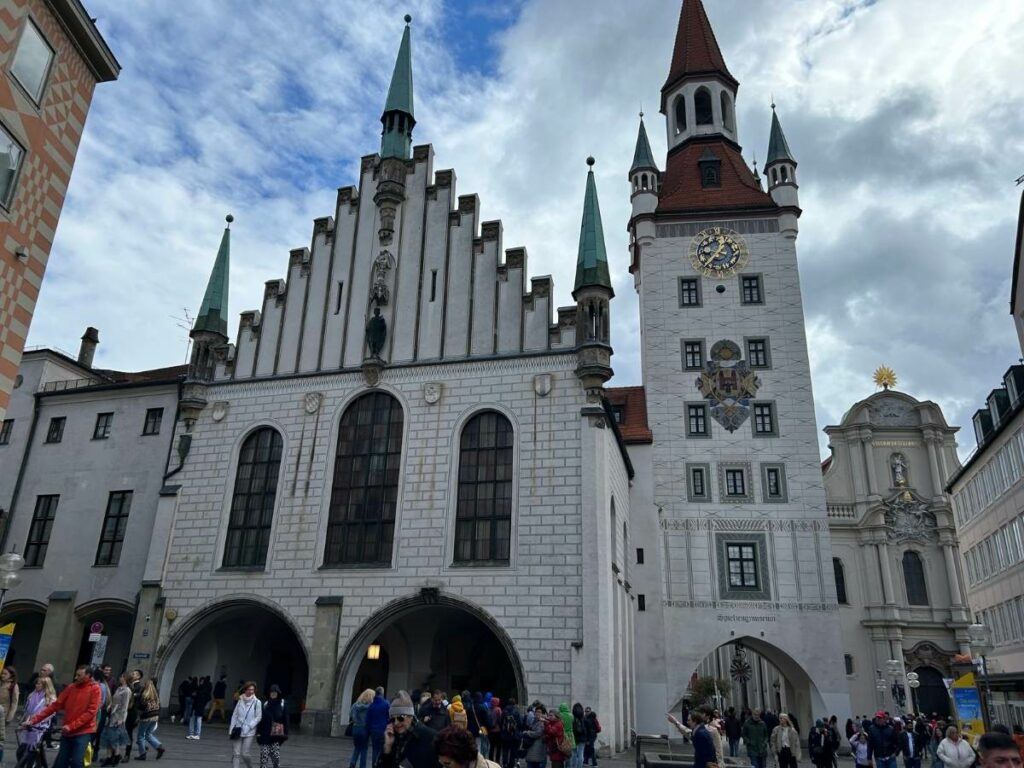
column 186, row 323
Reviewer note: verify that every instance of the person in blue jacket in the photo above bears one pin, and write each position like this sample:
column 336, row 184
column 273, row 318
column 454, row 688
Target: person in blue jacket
column 377, row 722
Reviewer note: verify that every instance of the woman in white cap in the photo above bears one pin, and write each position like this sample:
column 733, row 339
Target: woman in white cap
column 406, row 740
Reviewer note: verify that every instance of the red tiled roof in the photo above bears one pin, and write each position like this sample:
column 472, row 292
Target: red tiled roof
column 634, row 427
column 696, row 51
column 681, row 188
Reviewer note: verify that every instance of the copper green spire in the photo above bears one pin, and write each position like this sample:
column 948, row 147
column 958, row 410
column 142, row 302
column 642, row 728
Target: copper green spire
column 778, row 148
column 213, row 313
column 643, row 158
column 592, row 261
column 398, row 120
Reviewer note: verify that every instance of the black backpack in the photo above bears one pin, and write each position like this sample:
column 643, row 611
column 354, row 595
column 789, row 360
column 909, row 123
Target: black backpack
column 509, row 725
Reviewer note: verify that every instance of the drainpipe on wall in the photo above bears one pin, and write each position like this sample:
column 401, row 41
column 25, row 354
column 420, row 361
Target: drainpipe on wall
column 21, row 472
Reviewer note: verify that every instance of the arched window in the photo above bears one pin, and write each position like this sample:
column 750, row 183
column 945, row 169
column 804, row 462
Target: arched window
column 702, row 106
column 727, row 115
column 680, row 110
column 913, row 575
column 643, row 182
column 840, row 574
column 252, row 503
column 785, row 173
column 775, row 175
column 483, row 518
column 364, row 496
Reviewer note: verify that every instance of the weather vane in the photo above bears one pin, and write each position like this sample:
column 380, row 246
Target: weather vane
column 885, row 377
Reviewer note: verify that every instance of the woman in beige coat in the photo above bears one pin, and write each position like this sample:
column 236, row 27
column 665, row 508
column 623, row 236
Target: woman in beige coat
column 785, row 743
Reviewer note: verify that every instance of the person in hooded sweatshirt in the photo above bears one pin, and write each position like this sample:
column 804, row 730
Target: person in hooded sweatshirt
column 457, row 712
column 377, row 723
column 565, row 715
column 579, row 735
column 360, row 735
column 493, row 731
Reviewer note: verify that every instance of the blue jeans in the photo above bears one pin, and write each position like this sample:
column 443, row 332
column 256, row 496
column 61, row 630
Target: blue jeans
column 377, row 744
column 187, row 714
column 361, row 741
column 577, row 755
column 195, row 724
column 885, row 762
column 911, row 762
column 758, row 761
column 734, row 747
column 483, row 744
column 72, row 751
column 145, row 736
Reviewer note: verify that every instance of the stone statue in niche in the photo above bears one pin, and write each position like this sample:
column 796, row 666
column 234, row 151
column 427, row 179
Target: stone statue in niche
column 376, row 333
column 379, row 292
column 898, row 463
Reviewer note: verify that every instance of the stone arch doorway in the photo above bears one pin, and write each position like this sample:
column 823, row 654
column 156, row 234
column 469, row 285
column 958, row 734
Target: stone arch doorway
column 430, row 641
column 242, row 638
column 28, row 619
column 775, row 681
column 117, row 620
column 932, row 696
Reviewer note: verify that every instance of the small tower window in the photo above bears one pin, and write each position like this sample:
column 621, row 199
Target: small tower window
column 727, row 115
column 709, row 177
column 643, row 181
column 680, row 111
column 775, row 175
column 702, row 106
column 785, row 173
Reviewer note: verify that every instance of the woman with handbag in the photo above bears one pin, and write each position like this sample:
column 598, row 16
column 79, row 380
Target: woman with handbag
column 533, row 738
column 149, row 716
column 272, row 731
column 245, row 718
column 558, row 744
column 360, row 732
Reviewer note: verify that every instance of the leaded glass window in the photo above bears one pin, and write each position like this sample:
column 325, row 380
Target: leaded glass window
column 252, row 504
column 483, row 520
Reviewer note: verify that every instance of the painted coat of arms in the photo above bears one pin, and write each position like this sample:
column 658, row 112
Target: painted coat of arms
column 728, row 384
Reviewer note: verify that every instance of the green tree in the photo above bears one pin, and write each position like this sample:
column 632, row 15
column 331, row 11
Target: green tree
column 703, row 689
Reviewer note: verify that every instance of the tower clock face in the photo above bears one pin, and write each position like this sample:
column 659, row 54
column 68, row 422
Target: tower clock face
column 718, row 252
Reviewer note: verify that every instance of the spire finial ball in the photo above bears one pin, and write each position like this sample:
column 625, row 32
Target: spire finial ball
column 591, row 161
column 408, row 19
column 229, row 218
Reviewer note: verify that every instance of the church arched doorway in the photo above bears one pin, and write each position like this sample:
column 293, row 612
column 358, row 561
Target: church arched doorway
column 932, row 695
column 243, row 640
column 431, row 642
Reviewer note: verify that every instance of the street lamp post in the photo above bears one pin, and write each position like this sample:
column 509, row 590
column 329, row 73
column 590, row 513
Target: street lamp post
column 899, row 696
column 981, row 644
column 880, row 686
column 10, row 564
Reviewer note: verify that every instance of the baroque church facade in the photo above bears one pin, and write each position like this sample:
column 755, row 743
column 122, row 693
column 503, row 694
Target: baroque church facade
column 406, row 469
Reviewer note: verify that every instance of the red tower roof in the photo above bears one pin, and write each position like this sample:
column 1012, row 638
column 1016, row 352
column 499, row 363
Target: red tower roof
column 696, row 51
column 681, row 190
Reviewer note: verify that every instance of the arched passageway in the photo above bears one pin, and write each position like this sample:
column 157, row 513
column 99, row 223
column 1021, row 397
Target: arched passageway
column 932, row 696
column 117, row 627
column 446, row 645
column 244, row 640
column 28, row 630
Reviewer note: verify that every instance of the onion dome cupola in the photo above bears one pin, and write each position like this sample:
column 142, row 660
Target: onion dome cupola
column 592, row 292
column 699, row 95
column 780, row 172
column 398, row 119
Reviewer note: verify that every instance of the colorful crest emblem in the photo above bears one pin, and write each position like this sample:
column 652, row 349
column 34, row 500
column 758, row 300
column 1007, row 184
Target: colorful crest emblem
column 728, row 384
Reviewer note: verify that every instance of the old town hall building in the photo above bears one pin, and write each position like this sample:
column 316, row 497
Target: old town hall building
column 406, row 468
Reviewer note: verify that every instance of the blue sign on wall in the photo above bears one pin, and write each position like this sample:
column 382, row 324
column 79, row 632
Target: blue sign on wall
column 968, row 703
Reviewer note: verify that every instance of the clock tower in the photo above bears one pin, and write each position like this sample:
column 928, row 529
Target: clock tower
column 738, row 519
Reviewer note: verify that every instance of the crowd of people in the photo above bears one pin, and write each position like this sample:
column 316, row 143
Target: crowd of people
column 471, row 730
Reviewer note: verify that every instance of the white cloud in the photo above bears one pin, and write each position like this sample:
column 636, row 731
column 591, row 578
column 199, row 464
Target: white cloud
column 906, row 118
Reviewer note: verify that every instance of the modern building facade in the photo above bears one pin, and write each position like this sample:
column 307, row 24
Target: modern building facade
column 52, row 57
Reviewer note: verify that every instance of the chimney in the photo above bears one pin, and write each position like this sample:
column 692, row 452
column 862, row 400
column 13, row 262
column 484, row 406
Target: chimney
column 90, row 339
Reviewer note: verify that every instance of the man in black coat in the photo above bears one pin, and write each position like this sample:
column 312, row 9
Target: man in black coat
column 882, row 743
column 913, row 746
column 434, row 714
column 406, row 739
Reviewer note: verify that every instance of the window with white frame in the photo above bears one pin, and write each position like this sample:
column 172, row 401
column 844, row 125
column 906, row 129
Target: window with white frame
column 32, row 61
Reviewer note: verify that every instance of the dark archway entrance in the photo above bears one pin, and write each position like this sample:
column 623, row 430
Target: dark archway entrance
column 932, row 696
column 245, row 641
column 28, row 629
column 117, row 627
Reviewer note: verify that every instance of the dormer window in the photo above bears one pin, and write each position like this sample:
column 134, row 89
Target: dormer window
column 680, row 114
column 710, row 170
column 702, row 107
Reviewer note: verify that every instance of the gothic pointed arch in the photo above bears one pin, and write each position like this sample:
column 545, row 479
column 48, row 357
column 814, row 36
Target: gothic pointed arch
column 252, row 499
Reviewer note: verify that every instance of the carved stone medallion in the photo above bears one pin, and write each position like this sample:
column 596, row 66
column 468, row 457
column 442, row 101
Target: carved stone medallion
column 542, row 384
column 311, row 401
column 219, row 411
column 432, row 391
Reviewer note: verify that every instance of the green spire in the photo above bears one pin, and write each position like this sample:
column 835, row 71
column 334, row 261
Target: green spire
column 592, row 262
column 398, row 120
column 643, row 157
column 778, row 148
column 213, row 313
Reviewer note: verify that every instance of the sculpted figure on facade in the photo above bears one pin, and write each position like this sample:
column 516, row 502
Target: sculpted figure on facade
column 898, row 464
column 380, row 293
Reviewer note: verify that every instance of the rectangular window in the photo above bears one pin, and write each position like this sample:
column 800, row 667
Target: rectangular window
column 693, row 354
column 639, row 556
column 697, row 420
column 619, row 413
column 5, row 431
column 433, row 284
column 773, row 482
column 848, row 661
column 641, row 602
column 115, row 521
column 341, row 291
column 103, row 422
column 689, row 292
column 764, row 419
column 757, row 353
column 751, row 289
column 32, row 61
column 55, row 432
column 697, row 482
column 153, row 418
column 741, row 562
column 11, row 155
column 735, row 483
column 39, row 530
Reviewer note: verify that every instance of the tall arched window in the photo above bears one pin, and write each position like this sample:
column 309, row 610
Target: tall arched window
column 840, row 574
column 702, row 106
column 364, row 496
column 913, row 575
column 252, row 503
column 727, row 115
column 680, row 110
column 483, row 518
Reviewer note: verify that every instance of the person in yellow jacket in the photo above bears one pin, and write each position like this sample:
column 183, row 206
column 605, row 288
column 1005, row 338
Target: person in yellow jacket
column 457, row 713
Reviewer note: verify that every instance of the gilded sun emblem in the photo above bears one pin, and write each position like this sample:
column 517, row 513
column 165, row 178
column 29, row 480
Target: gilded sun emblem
column 885, row 377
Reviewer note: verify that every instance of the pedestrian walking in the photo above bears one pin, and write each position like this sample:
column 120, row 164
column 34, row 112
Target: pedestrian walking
column 732, row 728
column 457, row 713
column 9, row 694
column 148, row 705
column 377, row 723
column 101, row 717
column 754, row 733
column 565, row 714
column 200, row 698
column 115, row 737
column 555, row 738
column 360, row 733
column 533, row 737
column 509, row 733
column 245, row 718
column 913, row 745
column 272, row 731
column 821, row 746
column 456, row 748
column 579, row 735
column 785, row 742
column 593, row 727
column 185, row 700
column 494, row 729
column 79, row 702
column 131, row 723
column 954, row 751
column 479, row 721
column 220, row 691
column 406, row 740
column 859, row 749
column 30, row 749
column 433, row 712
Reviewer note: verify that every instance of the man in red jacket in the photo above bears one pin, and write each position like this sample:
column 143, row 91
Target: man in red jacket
column 80, row 702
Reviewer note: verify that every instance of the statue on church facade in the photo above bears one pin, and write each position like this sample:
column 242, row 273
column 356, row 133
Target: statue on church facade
column 899, row 470
column 376, row 333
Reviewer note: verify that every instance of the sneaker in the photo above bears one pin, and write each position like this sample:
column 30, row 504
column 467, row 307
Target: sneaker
column 140, row 757
column 160, row 751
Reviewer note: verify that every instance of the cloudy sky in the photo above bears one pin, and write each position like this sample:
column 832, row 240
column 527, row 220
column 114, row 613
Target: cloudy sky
column 906, row 116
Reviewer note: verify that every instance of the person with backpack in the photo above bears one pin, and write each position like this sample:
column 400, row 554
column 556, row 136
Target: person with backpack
column 592, row 727
column 457, row 713
column 579, row 735
column 509, row 736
